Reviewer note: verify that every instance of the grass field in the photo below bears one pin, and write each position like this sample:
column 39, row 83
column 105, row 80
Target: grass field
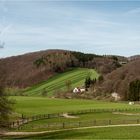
column 42, row 105
column 93, row 133
column 30, row 106
column 87, row 119
column 76, row 76
column 35, row 105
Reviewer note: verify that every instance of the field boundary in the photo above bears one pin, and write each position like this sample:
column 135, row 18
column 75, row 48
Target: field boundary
column 78, row 124
column 26, row 120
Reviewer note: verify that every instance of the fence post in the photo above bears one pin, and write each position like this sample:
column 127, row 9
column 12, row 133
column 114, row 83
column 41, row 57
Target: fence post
column 79, row 124
column 13, row 124
column 17, row 123
column 109, row 122
column 63, row 125
column 22, row 116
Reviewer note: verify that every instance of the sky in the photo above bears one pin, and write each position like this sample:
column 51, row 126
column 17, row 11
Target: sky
column 100, row 27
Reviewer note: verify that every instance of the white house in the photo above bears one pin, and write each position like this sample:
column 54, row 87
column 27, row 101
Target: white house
column 78, row 90
column 82, row 90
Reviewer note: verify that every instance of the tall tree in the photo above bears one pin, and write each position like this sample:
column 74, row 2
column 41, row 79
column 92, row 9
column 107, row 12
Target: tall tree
column 87, row 82
column 6, row 108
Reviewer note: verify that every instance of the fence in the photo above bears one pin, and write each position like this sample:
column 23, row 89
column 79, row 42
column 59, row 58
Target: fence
column 26, row 120
column 68, row 125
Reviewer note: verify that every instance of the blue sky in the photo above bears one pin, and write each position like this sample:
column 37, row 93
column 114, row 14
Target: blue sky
column 101, row 27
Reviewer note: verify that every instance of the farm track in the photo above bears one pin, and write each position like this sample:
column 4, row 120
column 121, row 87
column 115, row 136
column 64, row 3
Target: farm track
column 51, row 131
column 127, row 114
column 66, row 115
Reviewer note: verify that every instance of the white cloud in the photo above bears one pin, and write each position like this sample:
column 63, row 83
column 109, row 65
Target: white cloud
column 69, row 28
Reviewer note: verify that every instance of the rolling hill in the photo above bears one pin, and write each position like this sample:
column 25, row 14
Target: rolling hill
column 119, row 79
column 131, row 58
column 57, row 83
column 26, row 70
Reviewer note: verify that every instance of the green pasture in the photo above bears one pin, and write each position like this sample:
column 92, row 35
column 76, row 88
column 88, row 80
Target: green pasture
column 101, row 118
column 30, row 106
column 57, row 83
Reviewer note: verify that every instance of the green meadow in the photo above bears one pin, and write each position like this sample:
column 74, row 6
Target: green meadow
column 57, row 83
column 42, row 105
column 88, row 119
column 34, row 104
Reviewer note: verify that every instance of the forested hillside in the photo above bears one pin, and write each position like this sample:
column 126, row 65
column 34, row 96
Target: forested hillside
column 120, row 80
column 29, row 69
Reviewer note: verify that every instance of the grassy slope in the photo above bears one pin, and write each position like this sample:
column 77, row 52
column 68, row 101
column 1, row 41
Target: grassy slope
column 94, row 133
column 40, row 105
column 77, row 77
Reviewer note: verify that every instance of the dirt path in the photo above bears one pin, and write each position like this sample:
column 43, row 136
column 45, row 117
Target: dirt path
column 69, row 116
column 127, row 114
column 43, row 132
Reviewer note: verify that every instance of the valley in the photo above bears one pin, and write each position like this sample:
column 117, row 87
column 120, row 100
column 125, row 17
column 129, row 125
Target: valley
column 51, row 103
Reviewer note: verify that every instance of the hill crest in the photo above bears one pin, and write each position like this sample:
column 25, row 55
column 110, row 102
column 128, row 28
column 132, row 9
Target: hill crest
column 32, row 68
